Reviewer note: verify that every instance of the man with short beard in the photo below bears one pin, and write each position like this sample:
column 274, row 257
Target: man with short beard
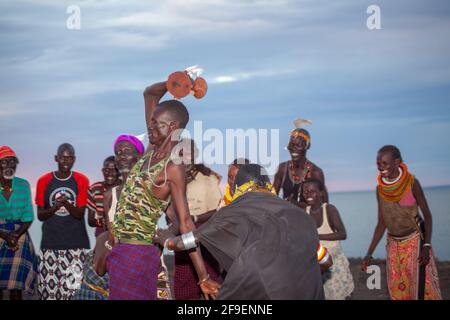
column 16, row 216
column 61, row 197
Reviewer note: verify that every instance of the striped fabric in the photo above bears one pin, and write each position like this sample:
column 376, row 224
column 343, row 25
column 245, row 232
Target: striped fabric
column 19, row 206
column 95, row 197
column 96, row 194
column 6, row 152
column 18, row 269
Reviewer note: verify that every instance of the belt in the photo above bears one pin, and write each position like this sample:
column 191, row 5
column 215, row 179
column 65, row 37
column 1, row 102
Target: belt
column 134, row 241
column 408, row 237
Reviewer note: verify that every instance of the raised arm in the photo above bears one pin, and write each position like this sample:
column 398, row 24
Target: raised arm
column 152, row 95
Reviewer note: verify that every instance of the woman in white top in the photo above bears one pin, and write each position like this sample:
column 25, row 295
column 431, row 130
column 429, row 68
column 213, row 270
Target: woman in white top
column 338, row 280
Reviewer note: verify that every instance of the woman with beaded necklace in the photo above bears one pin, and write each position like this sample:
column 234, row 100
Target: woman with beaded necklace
column 410, row 266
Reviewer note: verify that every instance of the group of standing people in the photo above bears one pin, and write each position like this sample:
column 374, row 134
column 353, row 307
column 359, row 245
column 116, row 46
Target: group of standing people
column 247, row 244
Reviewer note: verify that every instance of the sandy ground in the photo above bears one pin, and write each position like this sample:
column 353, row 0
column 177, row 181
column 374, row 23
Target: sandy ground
column 363, row 293
column 361, row 290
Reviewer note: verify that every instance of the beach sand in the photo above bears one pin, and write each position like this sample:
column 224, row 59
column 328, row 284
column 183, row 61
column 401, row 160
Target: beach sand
column 363, row 293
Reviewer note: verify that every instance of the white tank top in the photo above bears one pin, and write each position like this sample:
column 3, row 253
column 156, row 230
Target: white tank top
column 326, row 229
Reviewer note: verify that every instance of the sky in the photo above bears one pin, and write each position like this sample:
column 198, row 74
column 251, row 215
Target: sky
column 267, row 62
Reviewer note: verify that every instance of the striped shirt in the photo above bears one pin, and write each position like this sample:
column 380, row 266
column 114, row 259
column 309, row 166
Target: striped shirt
column 19, row 206
column 96, row 194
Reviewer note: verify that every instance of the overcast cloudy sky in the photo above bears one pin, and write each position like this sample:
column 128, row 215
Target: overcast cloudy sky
column 267, row 62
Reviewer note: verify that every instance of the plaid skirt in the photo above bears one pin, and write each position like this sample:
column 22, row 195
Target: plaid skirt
column 93, row 286
column 133, row 272
column 18, row 269
column 185, row 277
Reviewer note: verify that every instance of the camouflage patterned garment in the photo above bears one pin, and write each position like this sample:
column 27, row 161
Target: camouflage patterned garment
column 138, row 210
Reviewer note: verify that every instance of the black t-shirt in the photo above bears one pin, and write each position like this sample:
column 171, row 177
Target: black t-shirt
column 62, row 231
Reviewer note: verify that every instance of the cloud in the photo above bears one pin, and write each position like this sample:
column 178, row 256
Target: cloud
column 241, row 76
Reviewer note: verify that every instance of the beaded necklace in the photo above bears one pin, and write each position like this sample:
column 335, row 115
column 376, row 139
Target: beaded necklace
column 394, row 191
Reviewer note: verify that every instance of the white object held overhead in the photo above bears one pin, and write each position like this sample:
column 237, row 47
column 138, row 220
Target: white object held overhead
column 194, row 70
column 299, row 122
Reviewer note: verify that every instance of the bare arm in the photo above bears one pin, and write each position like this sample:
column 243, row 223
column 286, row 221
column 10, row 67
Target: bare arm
column 205, row 216
column 423, row 205
column 152, row 95
column 177, row 180
column 172, row 217
column 91, row 218
column 377, row 235
column 278, row 178
column 336, row 225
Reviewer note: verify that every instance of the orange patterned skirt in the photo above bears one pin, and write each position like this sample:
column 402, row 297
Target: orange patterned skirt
column 402, row 269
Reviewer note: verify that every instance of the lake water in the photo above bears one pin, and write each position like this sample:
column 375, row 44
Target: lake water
column 359, row 212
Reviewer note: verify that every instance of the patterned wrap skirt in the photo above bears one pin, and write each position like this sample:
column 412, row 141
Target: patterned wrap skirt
column 402, row 269
column 60, row 273
column 18, row 269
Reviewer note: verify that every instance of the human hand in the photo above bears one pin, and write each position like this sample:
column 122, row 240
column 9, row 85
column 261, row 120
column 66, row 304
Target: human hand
column 210, row 288
column 424, row 256
column 366, row 262
column 13, row 241
column 161, row 236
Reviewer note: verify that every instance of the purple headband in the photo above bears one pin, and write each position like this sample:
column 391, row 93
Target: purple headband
column 132, row 139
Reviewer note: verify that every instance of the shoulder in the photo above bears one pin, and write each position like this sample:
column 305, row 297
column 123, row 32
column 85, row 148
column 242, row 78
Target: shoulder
column 175, row 172
column 79, row 177
column 45, row 177
column 315, row 170
column 21, row 182
column 332, row 209
column 314, row 166
column 282, row 167
column 96, row 185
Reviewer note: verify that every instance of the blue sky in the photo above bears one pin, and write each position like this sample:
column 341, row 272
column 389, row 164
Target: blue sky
column 267, row 62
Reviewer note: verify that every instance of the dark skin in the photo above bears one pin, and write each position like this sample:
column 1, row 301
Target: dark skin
column 126, row 157
column 111, row 179
column 12, row 238
column 65, row 160
column 388, row 166
column 313, row 196
column 298, row 148
column 232, row 172
column 160, row 127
